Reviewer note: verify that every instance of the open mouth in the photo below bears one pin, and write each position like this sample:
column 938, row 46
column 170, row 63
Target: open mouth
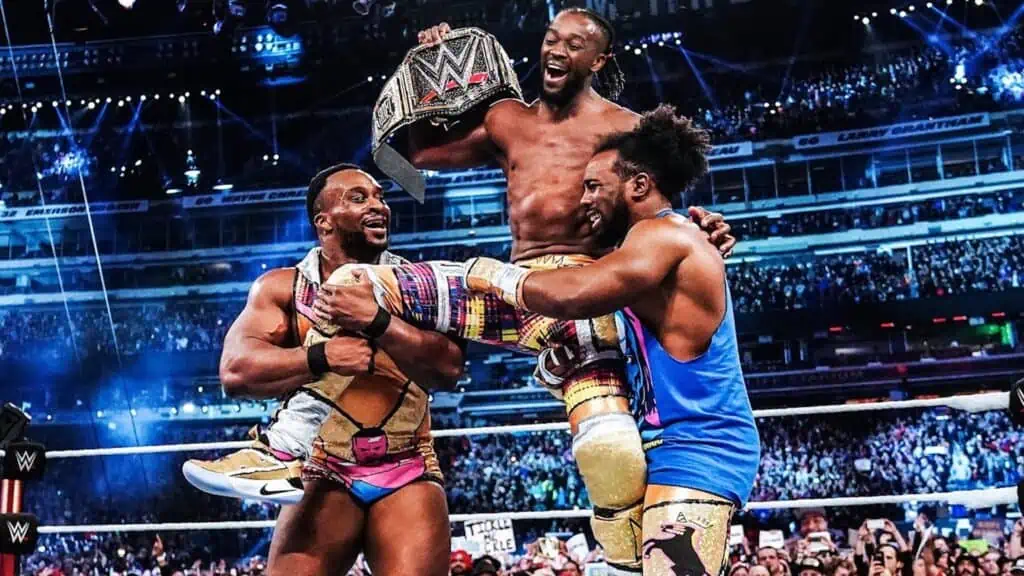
column 376, row 223
column 555, row 71
column 595, row 218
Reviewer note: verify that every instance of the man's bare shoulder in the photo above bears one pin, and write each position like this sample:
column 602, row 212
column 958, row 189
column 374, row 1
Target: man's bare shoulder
column 622, row 118
column 673, row 233
column 508, row 108
column 274, row 286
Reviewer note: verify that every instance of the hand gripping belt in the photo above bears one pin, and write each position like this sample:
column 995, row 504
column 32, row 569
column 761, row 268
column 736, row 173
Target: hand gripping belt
column 439, row 83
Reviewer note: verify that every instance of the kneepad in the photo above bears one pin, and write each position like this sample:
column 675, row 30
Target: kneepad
column 611, row 459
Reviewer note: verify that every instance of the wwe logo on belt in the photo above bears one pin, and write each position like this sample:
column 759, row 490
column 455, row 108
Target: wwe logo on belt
column 26, row 460
column 451, row 68
column 18, row 531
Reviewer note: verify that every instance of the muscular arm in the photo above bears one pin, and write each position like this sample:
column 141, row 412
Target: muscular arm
column 651, row 251
column 429, row 358
column 254, row 362
column 467, row 145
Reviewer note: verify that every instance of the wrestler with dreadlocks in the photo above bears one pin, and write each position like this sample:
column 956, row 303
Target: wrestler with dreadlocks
column 543, row 148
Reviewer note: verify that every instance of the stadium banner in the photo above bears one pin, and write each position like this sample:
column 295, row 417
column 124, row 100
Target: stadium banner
column 731, row 150
column 244, row 198
column 71, row 210
column 905, row 130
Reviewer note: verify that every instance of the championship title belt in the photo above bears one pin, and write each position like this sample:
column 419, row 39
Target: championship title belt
column 438, row 83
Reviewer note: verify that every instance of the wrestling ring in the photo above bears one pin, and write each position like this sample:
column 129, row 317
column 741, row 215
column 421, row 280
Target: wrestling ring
column 974, row 403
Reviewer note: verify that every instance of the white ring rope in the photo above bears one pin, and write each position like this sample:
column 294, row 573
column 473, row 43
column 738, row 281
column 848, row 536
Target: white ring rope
column 968, row 403
column 970, row 498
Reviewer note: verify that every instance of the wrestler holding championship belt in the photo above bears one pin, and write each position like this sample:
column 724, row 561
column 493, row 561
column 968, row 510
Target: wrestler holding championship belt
column 460, row 97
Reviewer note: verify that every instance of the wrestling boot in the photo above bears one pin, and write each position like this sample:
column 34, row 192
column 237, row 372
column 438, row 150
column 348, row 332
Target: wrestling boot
column 254, row 473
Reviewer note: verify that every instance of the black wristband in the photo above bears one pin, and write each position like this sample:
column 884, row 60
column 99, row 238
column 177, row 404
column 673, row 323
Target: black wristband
column 380, row 324
column 316, row 358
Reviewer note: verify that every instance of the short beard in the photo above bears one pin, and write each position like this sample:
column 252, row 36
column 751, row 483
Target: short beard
column 572, row 88
column 616, row 228
column 356, row 246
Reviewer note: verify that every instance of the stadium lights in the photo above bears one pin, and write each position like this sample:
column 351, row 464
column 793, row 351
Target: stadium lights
column 637, row 51
column 866, row 20
column 217, row 91
column 628, row 47
column 156, row 96
column 678, row 42
column 142, row 98
column 91, row 106
column 109, row 99
column 903, row 14
column 874, row 14
column 856, row 17
column 369, row 78
column 172, row 191
column 67, row 103
column 910, row 8
column 929, row 5
column 892, row 11
column 181, row 99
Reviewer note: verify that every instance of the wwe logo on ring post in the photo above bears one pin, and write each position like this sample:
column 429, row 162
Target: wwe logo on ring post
column 26, row 460
column 18, row 531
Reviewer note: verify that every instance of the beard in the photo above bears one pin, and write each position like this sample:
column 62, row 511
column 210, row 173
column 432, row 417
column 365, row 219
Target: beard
column 615, row 226
column 573, row 85
column 357, row 245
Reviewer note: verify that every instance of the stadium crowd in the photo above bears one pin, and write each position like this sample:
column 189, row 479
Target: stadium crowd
column 825, row 221
column 938, row 269
column 808, row 98
column 803, row 457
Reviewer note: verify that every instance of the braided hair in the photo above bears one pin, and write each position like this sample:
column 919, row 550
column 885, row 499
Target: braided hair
column 610, row 79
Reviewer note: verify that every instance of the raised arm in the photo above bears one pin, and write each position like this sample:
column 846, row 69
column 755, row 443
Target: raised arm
column 650, row 252
column 464, row 145
column 258, row 361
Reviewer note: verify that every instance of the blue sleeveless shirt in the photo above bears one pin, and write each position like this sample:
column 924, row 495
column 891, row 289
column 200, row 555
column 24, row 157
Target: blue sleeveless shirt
column 694, row 417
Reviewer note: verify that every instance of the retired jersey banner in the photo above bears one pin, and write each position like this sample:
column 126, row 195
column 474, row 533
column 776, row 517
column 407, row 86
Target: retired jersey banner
column 894, row 131
column 244, row 198
column 733, row 150
column 71, row 210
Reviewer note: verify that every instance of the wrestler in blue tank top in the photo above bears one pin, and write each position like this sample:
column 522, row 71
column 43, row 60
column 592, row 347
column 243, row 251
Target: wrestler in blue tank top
column 694, row 416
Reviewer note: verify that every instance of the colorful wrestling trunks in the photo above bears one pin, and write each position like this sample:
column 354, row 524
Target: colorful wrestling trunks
column 694, row 417
column 375, row 436
column 433, row 296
